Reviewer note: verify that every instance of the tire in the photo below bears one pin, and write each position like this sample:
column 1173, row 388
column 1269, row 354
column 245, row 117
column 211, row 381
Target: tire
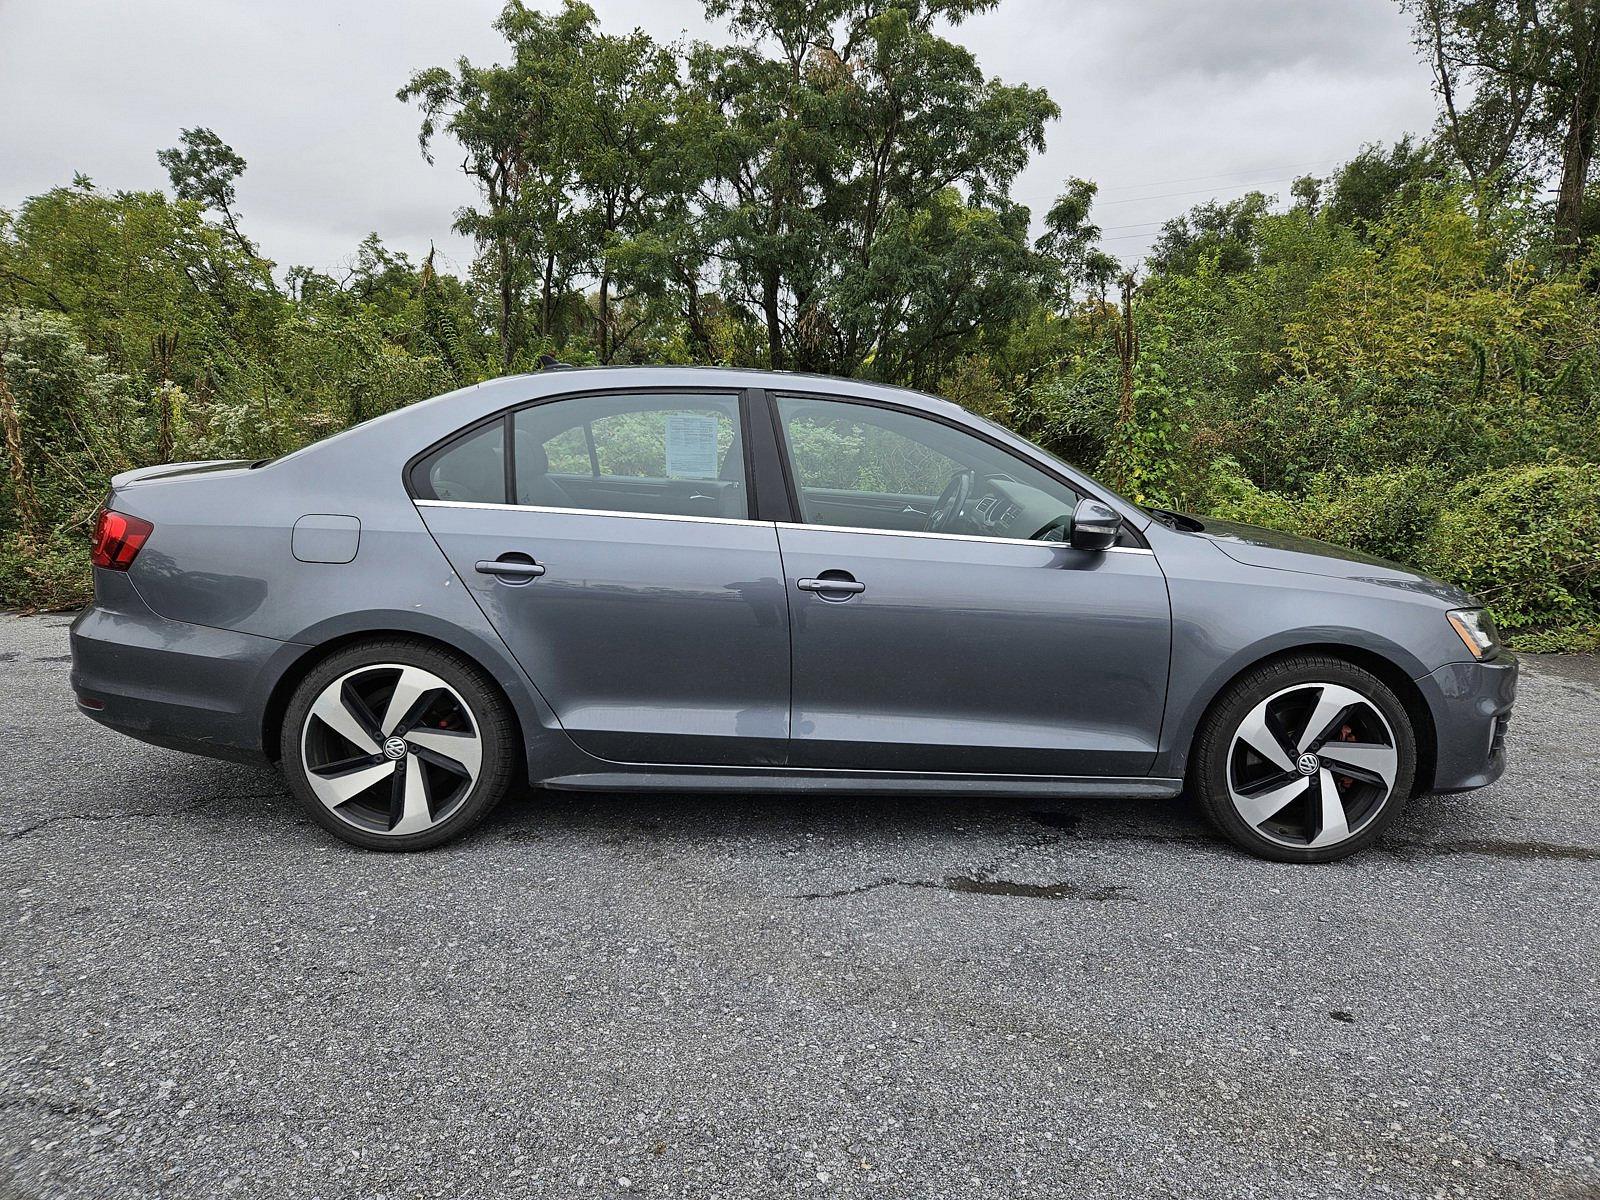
column 398, row 745
column 1285, row 737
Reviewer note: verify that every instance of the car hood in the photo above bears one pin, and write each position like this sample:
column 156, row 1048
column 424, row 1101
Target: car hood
column 1270, row 548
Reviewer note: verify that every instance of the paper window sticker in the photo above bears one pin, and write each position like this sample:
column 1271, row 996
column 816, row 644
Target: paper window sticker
column 691, row 446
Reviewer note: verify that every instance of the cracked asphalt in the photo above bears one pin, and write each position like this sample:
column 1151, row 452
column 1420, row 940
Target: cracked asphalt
column 201, row 994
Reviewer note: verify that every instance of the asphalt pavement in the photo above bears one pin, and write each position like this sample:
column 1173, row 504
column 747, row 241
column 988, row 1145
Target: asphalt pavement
column 204, row 995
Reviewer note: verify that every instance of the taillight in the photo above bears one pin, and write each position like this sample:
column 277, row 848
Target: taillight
column 118, row 539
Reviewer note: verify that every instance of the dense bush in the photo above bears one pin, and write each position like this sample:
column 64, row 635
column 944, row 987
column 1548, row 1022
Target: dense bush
column 67, row 422
column 1526, row 539
column 1388, row 392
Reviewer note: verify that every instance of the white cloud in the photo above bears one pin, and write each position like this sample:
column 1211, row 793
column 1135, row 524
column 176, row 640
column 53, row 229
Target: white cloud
column 1153, row 93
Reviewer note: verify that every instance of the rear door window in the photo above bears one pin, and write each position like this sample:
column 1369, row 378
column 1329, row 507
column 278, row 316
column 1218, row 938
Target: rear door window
column 667, row 454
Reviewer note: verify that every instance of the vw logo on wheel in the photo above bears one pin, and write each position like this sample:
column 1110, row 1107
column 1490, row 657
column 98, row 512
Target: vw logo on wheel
column 1308, row 764
column 394, row 748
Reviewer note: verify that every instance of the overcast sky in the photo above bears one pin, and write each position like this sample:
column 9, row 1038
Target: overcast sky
column 1165, row 103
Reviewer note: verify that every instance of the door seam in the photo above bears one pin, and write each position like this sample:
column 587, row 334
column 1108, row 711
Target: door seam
column 788, row 617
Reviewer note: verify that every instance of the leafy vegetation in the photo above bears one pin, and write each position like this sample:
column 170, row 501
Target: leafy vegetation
column 1403, row 357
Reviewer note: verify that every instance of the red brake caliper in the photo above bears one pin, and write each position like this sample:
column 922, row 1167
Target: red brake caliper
column 1346, row 734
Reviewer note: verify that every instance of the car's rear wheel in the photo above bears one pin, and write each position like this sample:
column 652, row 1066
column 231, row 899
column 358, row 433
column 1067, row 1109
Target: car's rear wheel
column 397, row 745
column 1307, row 759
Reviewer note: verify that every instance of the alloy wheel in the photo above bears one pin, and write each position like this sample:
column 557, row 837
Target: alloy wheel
column 1312, row 766
column 391, row 749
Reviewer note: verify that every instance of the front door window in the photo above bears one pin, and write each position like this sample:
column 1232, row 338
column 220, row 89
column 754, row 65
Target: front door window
column 865, row 467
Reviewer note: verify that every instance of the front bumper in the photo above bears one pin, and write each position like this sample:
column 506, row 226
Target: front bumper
column 1471, row 704
column 170, row 683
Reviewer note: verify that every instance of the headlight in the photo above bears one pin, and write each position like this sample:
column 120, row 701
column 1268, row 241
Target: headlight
column 1476, row 629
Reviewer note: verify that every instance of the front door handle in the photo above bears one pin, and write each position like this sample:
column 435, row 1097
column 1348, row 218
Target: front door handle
column 845, row 586
column 520, row 569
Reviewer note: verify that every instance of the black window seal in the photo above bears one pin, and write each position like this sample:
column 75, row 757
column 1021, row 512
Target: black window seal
column 508, row 439
column 769, row 461
column 780, row 439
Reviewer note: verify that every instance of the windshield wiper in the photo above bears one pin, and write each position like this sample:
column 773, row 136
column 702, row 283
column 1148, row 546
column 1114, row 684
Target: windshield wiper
column 1174, row 520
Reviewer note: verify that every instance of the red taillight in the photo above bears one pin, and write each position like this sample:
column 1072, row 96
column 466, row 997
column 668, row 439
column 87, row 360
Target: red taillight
column 118, row 539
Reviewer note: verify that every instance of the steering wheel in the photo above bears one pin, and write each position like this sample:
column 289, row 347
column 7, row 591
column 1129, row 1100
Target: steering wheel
column 952, row 501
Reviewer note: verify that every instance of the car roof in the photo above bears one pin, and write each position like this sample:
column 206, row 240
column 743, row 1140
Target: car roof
column 556, row 379
column 407, row 430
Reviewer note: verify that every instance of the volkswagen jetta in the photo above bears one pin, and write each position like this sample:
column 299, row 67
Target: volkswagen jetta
column 697, row 579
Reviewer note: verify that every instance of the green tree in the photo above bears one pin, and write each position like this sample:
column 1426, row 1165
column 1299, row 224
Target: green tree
column 634, row 163
column 512, row 122
column 1519, row 89
column 1223, row 232
column 838, row 150
column 1363, row 189
column 1069, row 247
column 204, row 168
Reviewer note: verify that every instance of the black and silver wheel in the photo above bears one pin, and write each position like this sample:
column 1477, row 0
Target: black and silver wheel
column 1305, row 760
column 397, row 745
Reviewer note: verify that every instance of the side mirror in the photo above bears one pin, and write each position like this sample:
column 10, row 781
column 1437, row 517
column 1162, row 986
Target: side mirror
column 1094, row 526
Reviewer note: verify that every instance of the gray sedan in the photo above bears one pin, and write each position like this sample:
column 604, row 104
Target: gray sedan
column 688, row 579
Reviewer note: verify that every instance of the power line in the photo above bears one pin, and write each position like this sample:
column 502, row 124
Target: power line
column 1135, row 225
column 1187, row 179
column 1224, row 175
column 1202, row 191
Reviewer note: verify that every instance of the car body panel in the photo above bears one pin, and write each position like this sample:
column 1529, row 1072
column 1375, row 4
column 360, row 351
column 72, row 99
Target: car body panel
column 1273, row 549
column 1227, row 617
column 656, row 640
column 1471, row 704
column 975, row 654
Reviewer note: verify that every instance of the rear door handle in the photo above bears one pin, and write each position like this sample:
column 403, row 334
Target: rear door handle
column 517, row 570
column 849, row 586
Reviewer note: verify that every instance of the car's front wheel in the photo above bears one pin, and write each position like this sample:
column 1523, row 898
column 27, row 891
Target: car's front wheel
column 397, row 745
column 1307, row 759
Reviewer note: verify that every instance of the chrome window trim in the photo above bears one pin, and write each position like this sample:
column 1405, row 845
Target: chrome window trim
column 589, row 512
column 644, row 516
column 954, row 537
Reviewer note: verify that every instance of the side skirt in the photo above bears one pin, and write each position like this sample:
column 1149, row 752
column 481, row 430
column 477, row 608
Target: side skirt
column 724, row 780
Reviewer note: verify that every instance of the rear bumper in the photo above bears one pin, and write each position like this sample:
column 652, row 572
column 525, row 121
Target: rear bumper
column 1471, row 704
column 170, row 683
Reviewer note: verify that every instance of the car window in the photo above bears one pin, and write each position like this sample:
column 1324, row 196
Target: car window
column 661, row 453
column 835, row 446
column 864, row 466
column 471, row 468
column 568, row 453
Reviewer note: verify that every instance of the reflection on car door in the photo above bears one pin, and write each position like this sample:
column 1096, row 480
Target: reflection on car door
column 928, row 652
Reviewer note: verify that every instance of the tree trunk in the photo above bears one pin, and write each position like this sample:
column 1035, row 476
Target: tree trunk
column 769, row 305
column 1577, row 147
column 545, row 315
column 505, row 305
column 696, row 319
column 1127, row 353
column 21, row 484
